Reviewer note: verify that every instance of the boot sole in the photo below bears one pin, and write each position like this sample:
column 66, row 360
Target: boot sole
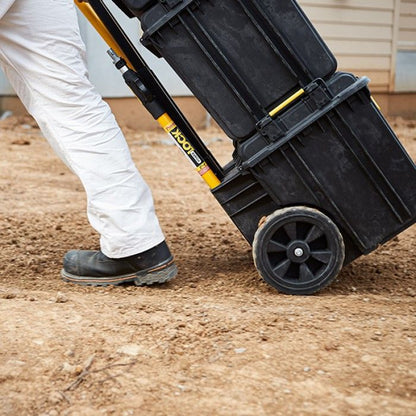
column 156, row 275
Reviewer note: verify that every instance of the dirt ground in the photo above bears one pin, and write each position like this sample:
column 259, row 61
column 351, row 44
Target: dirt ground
column 216, row 340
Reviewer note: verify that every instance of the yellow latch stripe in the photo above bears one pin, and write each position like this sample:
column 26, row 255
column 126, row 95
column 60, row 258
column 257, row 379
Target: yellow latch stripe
column 285, row 103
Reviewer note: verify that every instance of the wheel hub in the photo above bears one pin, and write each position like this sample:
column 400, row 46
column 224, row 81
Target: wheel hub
column 298, row 251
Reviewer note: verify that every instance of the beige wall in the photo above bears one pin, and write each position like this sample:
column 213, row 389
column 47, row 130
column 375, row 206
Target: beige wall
column 407, row 26
column 361, row 33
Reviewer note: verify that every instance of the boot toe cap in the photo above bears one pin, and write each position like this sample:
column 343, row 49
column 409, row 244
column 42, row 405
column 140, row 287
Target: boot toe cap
column 71, row 262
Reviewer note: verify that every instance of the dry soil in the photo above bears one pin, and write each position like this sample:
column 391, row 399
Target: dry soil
column 215, row 341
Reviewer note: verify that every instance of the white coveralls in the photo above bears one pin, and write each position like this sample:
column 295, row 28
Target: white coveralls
column 43, row 56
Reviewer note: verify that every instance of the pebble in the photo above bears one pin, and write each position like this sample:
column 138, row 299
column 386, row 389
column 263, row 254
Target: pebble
column 306, row 369
column 6, row 114
column 9, row 295
column 71, row 369
column 61, row 298
column 131, row 349
column 240, row 350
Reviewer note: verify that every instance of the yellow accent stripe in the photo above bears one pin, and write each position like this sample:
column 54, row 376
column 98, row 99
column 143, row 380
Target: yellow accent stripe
column 166, row 122
column 207, row 174
column 211, row 180
column 285, row 103
column 99, row 26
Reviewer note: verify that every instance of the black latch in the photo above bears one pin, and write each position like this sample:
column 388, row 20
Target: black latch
column 317, row 92
column 270, row 128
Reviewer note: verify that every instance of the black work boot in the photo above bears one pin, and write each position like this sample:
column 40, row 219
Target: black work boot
column 93, row 268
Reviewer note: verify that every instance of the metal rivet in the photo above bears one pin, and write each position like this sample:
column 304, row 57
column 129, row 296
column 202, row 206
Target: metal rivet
column 298, row 252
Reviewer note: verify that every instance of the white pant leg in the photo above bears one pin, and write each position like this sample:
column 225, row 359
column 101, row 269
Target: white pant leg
column 42, row 54
column 4, row 6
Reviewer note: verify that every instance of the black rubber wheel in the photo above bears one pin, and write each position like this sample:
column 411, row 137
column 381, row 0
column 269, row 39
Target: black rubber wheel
column 298, row 250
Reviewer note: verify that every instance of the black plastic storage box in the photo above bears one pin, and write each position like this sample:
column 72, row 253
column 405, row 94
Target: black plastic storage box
column 240, row 58
column 341, row 158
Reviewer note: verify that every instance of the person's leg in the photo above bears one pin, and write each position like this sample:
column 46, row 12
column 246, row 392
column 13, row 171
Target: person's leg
column 4, row 6
column 42, row 54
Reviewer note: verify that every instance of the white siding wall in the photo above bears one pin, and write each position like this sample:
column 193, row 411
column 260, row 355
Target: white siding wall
column 360, row 33
column 407, row 26
column 5, row 87
column 406, row 45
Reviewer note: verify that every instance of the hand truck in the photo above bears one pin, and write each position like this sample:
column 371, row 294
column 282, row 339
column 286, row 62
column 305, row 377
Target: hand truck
column 317, row 178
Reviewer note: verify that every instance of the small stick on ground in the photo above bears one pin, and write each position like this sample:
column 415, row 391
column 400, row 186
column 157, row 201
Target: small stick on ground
column 86, row 371
column 82, row 375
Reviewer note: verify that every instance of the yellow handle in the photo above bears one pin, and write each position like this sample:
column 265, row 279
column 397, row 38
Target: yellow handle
column 285, row 103
column 202, row 168
column 90, row 14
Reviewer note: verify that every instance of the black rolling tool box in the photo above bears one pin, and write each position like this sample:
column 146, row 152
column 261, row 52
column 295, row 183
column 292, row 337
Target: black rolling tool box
column 317, row 177
column 337, row 170
column 240, row 58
